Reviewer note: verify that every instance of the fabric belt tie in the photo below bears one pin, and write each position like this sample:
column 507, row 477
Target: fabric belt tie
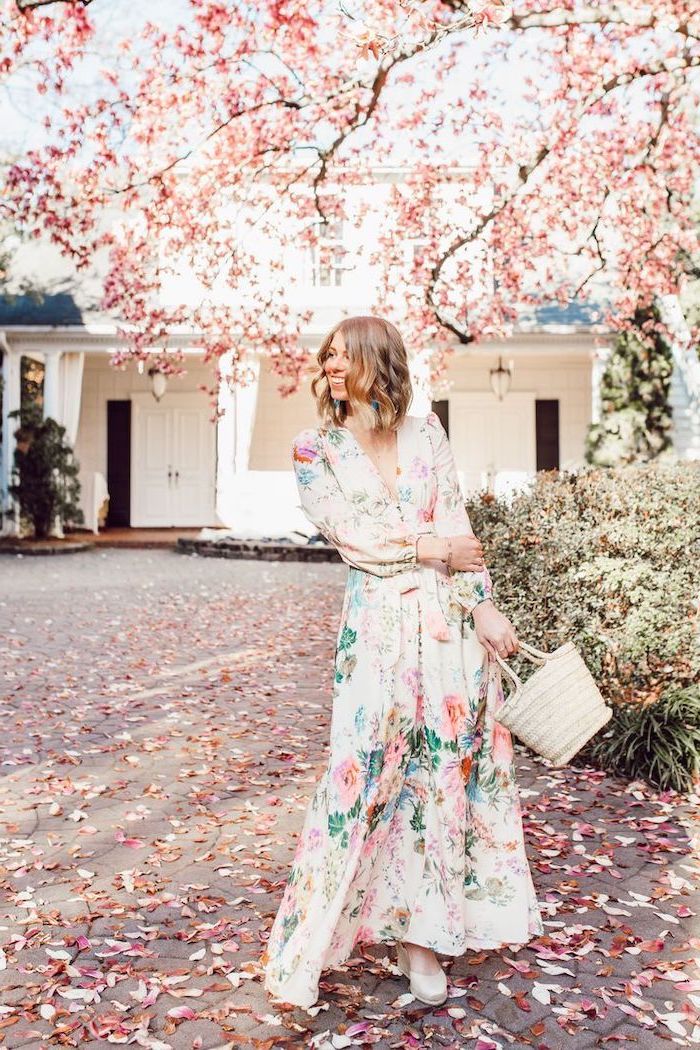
column 393, row 588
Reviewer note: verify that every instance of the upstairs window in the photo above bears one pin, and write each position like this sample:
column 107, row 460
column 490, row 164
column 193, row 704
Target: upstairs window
column 328, row 256
column 417, row 253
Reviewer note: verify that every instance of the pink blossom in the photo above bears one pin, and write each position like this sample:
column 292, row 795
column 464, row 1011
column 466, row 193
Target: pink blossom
column 582, row 169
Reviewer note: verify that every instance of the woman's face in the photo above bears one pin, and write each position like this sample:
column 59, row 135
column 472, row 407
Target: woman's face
column 336, row 366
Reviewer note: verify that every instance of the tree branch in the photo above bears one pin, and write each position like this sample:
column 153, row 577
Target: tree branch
column 158, row 175
column 525, row 171
column 378, row 85
column 29, row 5
column 558, row 16
column 357, row 122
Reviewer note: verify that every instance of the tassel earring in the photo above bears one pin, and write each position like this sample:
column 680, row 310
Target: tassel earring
column 375, row 405
column 336, row 402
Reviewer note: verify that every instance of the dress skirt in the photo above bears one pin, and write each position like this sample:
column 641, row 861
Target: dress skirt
column 414, row 831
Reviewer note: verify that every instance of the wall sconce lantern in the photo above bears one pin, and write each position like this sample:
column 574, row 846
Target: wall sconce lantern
column 159, row 382
column 500, row 379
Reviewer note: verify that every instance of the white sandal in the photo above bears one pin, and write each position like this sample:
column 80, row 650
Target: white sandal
column 430, row 988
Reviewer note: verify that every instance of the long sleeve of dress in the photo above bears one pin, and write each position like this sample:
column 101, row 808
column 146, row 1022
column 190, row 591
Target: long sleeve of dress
column 365, row 533
column 451, row 519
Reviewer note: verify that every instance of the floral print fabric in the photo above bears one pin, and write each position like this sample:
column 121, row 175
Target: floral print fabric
column 414, row 831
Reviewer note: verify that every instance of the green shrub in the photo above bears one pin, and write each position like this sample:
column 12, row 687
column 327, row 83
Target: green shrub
column 608, row 558
column 45, row 484
column 659, row 741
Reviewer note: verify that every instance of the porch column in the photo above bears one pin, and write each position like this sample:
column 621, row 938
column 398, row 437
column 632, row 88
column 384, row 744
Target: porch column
column 419, row 367
column 9, row 525
column 71, row 391
column 235, row 434
column 245, row 400
column 684, row 393
column 599, row 360
column 53, row 398
column 52, row 385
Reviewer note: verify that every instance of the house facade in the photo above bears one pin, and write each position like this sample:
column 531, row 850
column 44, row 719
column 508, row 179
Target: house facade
column 164, row 462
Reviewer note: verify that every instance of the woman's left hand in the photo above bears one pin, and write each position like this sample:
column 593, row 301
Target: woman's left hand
column 494, row 630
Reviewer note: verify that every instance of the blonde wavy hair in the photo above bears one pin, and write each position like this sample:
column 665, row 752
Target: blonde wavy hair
column 378, row 371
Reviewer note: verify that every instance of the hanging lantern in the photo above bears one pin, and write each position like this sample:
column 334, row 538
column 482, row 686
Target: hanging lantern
column 500, row 379
column 159, row 382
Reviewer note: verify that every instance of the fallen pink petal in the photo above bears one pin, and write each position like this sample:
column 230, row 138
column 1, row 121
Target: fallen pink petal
column 349, row 525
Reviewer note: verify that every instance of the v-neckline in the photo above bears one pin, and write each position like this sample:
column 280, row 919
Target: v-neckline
column 394, row 498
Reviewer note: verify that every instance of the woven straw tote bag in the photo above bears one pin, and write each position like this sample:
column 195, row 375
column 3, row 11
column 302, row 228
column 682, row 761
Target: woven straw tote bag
column 559, row 708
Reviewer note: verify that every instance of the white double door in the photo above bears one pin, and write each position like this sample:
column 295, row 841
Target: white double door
column 173, row 461
column 494, row 442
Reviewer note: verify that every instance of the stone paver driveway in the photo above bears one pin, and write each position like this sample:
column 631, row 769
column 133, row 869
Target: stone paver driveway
column 164, row 721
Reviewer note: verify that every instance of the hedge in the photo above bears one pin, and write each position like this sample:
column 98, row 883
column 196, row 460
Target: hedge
column 610, row 558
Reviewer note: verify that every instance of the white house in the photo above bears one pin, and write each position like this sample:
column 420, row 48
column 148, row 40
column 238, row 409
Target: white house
column 165, row 464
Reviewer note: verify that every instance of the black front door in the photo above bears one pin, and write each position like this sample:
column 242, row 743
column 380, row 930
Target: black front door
column 119, row 462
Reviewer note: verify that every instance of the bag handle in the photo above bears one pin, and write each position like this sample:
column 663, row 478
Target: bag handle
column 537, row 656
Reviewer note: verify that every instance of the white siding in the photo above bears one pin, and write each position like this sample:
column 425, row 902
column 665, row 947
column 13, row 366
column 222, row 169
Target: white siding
column 565, row 377
column 549, row 373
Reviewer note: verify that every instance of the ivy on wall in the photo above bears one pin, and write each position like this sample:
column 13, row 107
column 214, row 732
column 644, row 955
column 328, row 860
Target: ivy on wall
column 635, row 423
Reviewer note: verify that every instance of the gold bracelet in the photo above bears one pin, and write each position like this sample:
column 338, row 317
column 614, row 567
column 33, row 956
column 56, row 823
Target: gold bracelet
column 449, row 557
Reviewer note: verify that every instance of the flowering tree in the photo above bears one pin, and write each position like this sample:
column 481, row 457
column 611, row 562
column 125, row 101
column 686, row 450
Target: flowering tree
column 222, row 139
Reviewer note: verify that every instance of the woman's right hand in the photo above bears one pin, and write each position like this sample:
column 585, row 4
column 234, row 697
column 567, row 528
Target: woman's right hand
column 467, row 554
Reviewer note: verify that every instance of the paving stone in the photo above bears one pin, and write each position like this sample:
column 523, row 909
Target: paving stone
column 176, row 702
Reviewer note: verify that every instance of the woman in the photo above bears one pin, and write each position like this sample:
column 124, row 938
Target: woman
column 414, row 833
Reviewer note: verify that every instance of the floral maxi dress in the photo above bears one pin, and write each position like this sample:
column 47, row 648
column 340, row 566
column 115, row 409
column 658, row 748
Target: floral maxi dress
column 414, row 831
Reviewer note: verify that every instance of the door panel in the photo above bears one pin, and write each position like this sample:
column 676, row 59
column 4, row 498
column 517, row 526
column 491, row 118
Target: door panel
column 193, row 453
column 151, row 461
column 473, row 443
column 547, row 434
column 174, row 462
column 493, row 441
column 119, row 462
